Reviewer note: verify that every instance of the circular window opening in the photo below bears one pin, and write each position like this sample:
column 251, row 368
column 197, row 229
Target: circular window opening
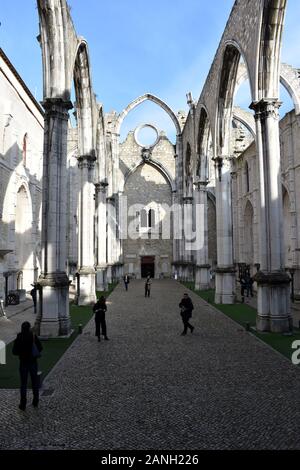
column 146, row 135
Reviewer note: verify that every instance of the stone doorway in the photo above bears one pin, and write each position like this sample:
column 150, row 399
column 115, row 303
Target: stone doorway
column 148, row 266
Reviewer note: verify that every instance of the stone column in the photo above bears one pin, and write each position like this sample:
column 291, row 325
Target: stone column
column 225, row 271
column 188, row 237
column 86, row 257
column 101, row 276
column 179, row 186
column 273, row 290
column 202, row 277
column 111, row 237
column 53, row 312
column 173, row 234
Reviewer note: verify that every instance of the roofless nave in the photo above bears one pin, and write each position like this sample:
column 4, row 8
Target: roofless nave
column 230, row 180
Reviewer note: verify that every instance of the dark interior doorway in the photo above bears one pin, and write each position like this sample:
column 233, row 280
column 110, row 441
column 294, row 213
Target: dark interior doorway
column 148, row 266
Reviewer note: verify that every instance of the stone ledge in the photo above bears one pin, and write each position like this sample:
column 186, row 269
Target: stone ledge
column 225, row 270
column 86, row 270
column 271, row 279
column 54, row 280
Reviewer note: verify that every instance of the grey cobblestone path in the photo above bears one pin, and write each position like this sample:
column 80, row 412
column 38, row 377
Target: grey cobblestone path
column 150, row 388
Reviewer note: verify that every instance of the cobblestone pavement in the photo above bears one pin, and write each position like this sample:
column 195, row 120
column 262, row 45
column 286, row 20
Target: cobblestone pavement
column 150, row 388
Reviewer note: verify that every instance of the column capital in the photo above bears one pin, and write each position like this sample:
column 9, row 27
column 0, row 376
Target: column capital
column 265, row 108
column 57, row 107
column 187, row 199
column 200, row 185
column 101, row 186
column 86, row 161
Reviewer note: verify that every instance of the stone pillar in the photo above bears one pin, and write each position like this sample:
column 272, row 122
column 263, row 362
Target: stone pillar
column 101, row 275
column 188, row 237
column 225, row 271
column 111, row 237
column 173, row 231
column 53, row 312
column 202, row 277
column 86, row 258
column 273, row 290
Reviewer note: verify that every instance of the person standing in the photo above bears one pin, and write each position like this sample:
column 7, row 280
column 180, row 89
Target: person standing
column 186, row 306
column 28, row 347
column 33, row 293
column 126, row 281
column 148, row 286
column 99, row 309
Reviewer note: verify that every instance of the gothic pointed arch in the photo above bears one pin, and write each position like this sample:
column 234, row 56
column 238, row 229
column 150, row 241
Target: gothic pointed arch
column 155, row 100
column 270, row 48
column 85, row 100
column 289, row 78
column 203, row 141
column 155, row 164
column 227, row 86
column 58, row 42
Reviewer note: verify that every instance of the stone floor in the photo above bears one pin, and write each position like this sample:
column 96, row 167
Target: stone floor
column 150, row 388
column 15, row 316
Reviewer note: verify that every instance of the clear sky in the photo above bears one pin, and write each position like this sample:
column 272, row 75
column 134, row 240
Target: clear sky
column 164, row 47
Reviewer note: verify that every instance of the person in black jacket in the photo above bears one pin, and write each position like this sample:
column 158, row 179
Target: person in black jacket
column 126, row 281
column 148, row 286
column 186, row 307
column 27, row 346
column 100, row 309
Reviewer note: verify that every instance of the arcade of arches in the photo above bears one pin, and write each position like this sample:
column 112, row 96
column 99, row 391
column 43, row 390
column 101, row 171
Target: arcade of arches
column 230, row 180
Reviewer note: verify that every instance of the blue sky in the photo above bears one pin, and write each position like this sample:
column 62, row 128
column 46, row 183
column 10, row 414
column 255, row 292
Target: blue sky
column 164, row 47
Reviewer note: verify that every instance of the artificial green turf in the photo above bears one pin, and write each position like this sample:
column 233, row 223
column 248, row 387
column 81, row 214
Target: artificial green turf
column 53, row 349
column 243, row 314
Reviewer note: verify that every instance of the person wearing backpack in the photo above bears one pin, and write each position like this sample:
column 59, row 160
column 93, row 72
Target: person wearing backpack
column 28, row 347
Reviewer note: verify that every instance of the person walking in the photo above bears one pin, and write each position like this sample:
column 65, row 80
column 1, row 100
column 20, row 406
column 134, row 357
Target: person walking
column 126, row 281
column 99, row 309
column 148, row 286
column 28, row 347
column 186, row 306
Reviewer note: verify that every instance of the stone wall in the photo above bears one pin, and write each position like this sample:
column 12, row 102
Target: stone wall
column 147, row 183
column 21, row 151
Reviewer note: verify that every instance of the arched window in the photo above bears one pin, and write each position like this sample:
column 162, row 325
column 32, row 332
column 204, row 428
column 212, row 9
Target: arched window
column 247, row 179
column 144, row 219
column 24, row 149
column 151, row 218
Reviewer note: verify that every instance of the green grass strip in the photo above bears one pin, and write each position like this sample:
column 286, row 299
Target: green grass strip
column 243, row 314
column 53, row 349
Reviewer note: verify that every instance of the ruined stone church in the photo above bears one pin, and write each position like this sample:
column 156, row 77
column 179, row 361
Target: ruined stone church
column 80, row 204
